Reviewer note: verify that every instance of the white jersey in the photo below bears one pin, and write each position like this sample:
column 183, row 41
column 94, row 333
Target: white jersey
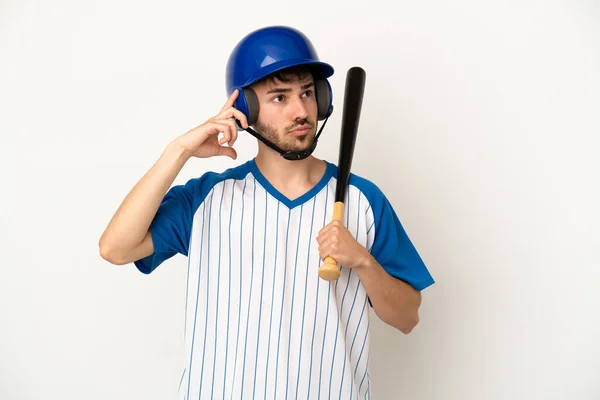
column 260, row 323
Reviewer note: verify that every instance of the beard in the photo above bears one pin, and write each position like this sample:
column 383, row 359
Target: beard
column 285, row 141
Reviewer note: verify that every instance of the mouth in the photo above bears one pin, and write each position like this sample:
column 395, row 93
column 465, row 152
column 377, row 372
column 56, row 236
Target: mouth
column 300, row 131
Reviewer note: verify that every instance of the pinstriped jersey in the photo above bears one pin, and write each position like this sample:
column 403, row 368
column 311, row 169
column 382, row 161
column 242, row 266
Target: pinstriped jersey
column 259, row 322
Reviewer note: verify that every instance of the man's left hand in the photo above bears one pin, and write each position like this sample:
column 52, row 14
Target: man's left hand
column 337, row 242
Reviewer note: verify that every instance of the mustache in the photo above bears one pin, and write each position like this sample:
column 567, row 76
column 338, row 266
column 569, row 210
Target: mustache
column 300, row 123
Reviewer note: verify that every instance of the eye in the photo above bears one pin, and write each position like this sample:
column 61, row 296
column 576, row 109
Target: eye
column 277, row 99
column 308, row 93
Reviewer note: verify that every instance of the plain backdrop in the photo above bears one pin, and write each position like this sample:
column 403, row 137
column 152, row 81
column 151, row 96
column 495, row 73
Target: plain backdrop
column 480, row 122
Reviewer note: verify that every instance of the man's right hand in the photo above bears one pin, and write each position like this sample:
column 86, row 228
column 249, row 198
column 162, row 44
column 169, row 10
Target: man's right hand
column 203, row 142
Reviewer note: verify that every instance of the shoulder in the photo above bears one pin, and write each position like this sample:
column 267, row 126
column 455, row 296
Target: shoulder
column 199, row 187
column 364, row 185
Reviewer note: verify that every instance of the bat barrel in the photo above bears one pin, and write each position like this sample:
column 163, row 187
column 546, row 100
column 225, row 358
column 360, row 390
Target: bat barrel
column 353, row 99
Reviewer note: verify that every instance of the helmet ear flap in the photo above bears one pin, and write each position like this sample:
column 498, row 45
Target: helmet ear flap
column 247, row 104
column 252, row 105
column 324, row 98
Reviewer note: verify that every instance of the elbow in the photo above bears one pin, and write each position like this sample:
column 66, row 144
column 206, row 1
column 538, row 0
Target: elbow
column 110, row 254
column 408, row 322
column 405, row 318
column 405, row 322
column 409, row 319
column 107, row 254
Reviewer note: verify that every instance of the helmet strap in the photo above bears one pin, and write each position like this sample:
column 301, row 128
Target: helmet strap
column 287, row 154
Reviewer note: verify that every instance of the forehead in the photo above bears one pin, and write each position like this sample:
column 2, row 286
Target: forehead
column 292, row 81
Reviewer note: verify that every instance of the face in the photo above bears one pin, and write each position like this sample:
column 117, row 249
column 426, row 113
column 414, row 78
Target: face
column 287, row 112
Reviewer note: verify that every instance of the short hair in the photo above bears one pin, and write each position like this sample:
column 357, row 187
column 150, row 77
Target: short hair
column 291, row 74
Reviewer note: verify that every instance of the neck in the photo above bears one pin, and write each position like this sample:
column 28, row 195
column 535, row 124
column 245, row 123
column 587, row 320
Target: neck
column 294, row 177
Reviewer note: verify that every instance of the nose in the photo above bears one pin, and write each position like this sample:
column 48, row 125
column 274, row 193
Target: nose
column 298, row 109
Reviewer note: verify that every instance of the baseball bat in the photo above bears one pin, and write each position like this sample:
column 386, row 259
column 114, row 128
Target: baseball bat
column 353, row 97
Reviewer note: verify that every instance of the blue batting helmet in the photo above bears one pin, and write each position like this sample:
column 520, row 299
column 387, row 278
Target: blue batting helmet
column 268, row 50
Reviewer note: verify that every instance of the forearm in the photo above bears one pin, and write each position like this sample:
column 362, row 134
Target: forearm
column 394, row 301
column 131, row 222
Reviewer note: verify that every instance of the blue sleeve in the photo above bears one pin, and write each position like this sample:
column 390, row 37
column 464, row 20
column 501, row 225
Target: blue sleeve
column 392, row 247
column 171, row 227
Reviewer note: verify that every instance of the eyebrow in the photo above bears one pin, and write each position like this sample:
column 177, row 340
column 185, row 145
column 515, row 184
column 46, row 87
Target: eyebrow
column 285, row 90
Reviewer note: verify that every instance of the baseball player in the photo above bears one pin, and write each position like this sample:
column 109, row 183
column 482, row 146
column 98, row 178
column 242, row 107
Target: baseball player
column 259, row 321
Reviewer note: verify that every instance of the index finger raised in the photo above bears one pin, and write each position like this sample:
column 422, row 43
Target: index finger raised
column 230, row 100
column 235, row 113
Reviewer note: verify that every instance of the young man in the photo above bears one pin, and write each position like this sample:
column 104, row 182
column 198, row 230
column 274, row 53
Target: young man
column 260, row 322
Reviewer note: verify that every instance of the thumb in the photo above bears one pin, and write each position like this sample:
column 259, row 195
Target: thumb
column 227, row 151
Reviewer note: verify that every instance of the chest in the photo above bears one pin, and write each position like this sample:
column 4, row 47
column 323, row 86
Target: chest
column 250, row 216
column 244, row 238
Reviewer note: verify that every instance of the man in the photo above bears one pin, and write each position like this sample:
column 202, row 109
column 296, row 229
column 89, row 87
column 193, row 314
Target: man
column 259, row 322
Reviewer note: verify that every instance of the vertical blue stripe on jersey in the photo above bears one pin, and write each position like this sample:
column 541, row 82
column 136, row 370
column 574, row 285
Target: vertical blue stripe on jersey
column 229, row 291
column 282, row 300
column 366, row 362
column 354, row 339
column 187, row 285
column 341, row 311
column 181, row 380
column 312, row 345
column 287, row 374
column 212, row 388
column 197, row 295
column 325, row 332
column 261, row 295
column 351, row 308
column 237, row 340
column 250, row 294
column 345, row 337
column 312, row 220
column 207, row 291
column 362, row 381
column 272, row 296
column 361, row 350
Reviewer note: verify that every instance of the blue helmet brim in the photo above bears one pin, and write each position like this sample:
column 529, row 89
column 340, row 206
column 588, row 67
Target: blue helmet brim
column 320, row 70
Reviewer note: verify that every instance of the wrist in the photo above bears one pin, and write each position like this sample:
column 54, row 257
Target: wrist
column 369, row 269
column 366, row 263
column 176, row 153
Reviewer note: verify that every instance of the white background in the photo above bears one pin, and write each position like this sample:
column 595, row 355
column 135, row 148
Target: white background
column 480, row 122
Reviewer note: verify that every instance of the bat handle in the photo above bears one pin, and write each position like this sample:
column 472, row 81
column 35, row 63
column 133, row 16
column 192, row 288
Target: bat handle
column 330, row 271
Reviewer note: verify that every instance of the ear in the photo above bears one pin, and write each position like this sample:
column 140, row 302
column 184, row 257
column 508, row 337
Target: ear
column 324, row 98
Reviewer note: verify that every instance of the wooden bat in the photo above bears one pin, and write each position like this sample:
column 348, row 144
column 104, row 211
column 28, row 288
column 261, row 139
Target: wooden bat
column 353, row 96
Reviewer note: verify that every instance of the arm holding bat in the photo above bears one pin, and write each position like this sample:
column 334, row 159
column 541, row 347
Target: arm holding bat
column 394, row 301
